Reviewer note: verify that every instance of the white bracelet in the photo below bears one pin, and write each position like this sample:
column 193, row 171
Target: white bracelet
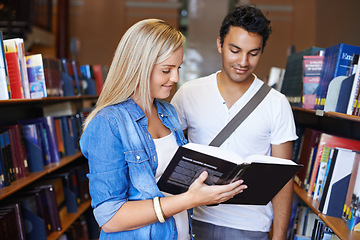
column 158, row 211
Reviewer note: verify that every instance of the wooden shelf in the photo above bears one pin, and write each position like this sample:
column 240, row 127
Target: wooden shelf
column 339, row 124
column 46, row 101
column 338, row 225
column 67, row 219
column 32, row 177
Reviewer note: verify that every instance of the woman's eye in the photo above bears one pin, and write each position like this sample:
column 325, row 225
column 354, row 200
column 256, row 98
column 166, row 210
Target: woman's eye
column 166, row 71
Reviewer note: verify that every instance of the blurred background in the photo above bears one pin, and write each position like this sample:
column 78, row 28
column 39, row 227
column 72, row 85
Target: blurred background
column 89, row 30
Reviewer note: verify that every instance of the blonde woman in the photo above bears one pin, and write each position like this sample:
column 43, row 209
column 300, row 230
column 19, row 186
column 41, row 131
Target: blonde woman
column 131, row 135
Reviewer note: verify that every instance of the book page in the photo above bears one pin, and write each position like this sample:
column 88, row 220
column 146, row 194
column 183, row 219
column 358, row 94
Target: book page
column 234, row 157
column 269, row 159
column 216, row 152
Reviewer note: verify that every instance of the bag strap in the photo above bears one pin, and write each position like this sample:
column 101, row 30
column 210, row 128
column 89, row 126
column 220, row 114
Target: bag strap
column 241, row 116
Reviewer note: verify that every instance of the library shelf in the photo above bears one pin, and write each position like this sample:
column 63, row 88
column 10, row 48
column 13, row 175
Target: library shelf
column 338, row 225
column 343, row 125
column 67, row 219
column 33, row 176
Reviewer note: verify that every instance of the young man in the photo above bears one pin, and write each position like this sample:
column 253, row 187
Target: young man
column 207, row 104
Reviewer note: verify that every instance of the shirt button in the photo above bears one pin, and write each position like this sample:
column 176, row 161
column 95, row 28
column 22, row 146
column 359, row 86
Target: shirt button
column 137, row 157
column 161, row 115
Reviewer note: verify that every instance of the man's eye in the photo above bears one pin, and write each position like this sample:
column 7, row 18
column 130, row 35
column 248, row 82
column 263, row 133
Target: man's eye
column 254, row 54
column 234, row 51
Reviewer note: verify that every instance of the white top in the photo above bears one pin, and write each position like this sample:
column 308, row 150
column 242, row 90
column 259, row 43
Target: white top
column 165, row 149
column 203, row 112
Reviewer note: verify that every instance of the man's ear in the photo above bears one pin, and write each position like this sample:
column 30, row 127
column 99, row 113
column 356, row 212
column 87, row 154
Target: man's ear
column 218, row 43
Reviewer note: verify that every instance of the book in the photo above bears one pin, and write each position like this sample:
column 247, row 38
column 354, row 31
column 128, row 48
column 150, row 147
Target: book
column 52, row 206
column 98, row 77
column 332, row 142
column 32, row 142
column 224, row 167
column 18, row 145
column 351, row 194
column 354, row 89
column 336, row 63
column 344, row 94
column 49, row 138
column 337, row 182
column 89, row 82
column 66, row 78
column 321, row 172
column 8, row 223
column 23, row 68
column 310, row 140
column 35, row 227
column 4, row 75
column 12, row 61
column 76, row 75
column 16, row 208
column 36, row 76
column 312, row 66
column 292, row 85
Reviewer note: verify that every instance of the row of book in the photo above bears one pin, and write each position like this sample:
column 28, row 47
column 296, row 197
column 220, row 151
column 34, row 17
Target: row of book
column 330, row 174
column 35, row 212
column 32, row 76
column 323, row 79
column 307, row 225
column 29, row 145
column 84, row 228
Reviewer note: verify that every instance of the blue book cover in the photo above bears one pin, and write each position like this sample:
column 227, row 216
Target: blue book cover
column 66, row 79
column 344, row 94
column 68, row 136
column 49, row 140
column 75, row 69
column 337, row 62
column 89, row 82
column 33, row 147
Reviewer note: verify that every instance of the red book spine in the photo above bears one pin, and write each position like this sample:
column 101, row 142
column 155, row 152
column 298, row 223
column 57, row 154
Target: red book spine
column 14, row 75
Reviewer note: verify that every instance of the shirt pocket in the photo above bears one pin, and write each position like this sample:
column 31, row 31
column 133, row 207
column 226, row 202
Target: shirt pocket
column 140, row 171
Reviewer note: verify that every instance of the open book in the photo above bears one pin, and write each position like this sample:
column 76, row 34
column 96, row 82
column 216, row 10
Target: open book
column 264, row 175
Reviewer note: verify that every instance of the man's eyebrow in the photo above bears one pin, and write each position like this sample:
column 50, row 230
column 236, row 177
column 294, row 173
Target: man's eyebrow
column 252, row 50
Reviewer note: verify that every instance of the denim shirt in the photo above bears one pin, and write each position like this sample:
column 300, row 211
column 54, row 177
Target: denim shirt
column 122, row 161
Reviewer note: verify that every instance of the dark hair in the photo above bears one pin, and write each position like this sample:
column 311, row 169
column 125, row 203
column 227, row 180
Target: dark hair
column 249, row 18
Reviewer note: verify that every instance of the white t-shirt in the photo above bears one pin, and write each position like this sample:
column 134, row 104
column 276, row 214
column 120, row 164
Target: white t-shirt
column 165, row 149
column 203, row 112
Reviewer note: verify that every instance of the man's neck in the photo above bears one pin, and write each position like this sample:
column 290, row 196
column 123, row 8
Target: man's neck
column 230, row 90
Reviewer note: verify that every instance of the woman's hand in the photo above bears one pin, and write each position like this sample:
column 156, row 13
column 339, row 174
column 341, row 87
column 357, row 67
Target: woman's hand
column 200, row 193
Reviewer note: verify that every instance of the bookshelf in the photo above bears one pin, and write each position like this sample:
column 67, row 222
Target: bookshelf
column 21, row 109
column 338, row 124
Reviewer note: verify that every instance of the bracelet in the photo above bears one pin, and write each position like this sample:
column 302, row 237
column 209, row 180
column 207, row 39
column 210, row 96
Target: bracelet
column 158, row 210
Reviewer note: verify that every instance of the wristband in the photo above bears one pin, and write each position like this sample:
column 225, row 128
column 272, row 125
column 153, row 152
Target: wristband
column 158, row 210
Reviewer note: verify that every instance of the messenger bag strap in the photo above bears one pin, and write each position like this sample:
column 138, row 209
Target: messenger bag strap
column 241, row 115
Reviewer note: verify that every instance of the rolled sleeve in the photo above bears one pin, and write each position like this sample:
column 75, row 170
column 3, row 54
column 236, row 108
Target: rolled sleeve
column 108, row 175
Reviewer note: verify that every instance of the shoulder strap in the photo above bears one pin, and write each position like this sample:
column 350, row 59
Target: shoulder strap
column 241, row 116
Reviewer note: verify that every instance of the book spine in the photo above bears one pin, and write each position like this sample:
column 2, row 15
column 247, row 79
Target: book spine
column 336, row 63
column 36, row 76
column 12, row 61
column 4, row 76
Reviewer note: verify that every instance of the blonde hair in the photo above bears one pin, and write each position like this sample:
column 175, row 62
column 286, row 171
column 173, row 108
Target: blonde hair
column 143, row 45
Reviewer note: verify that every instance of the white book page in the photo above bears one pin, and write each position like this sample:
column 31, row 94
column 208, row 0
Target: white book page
column 234, row 157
